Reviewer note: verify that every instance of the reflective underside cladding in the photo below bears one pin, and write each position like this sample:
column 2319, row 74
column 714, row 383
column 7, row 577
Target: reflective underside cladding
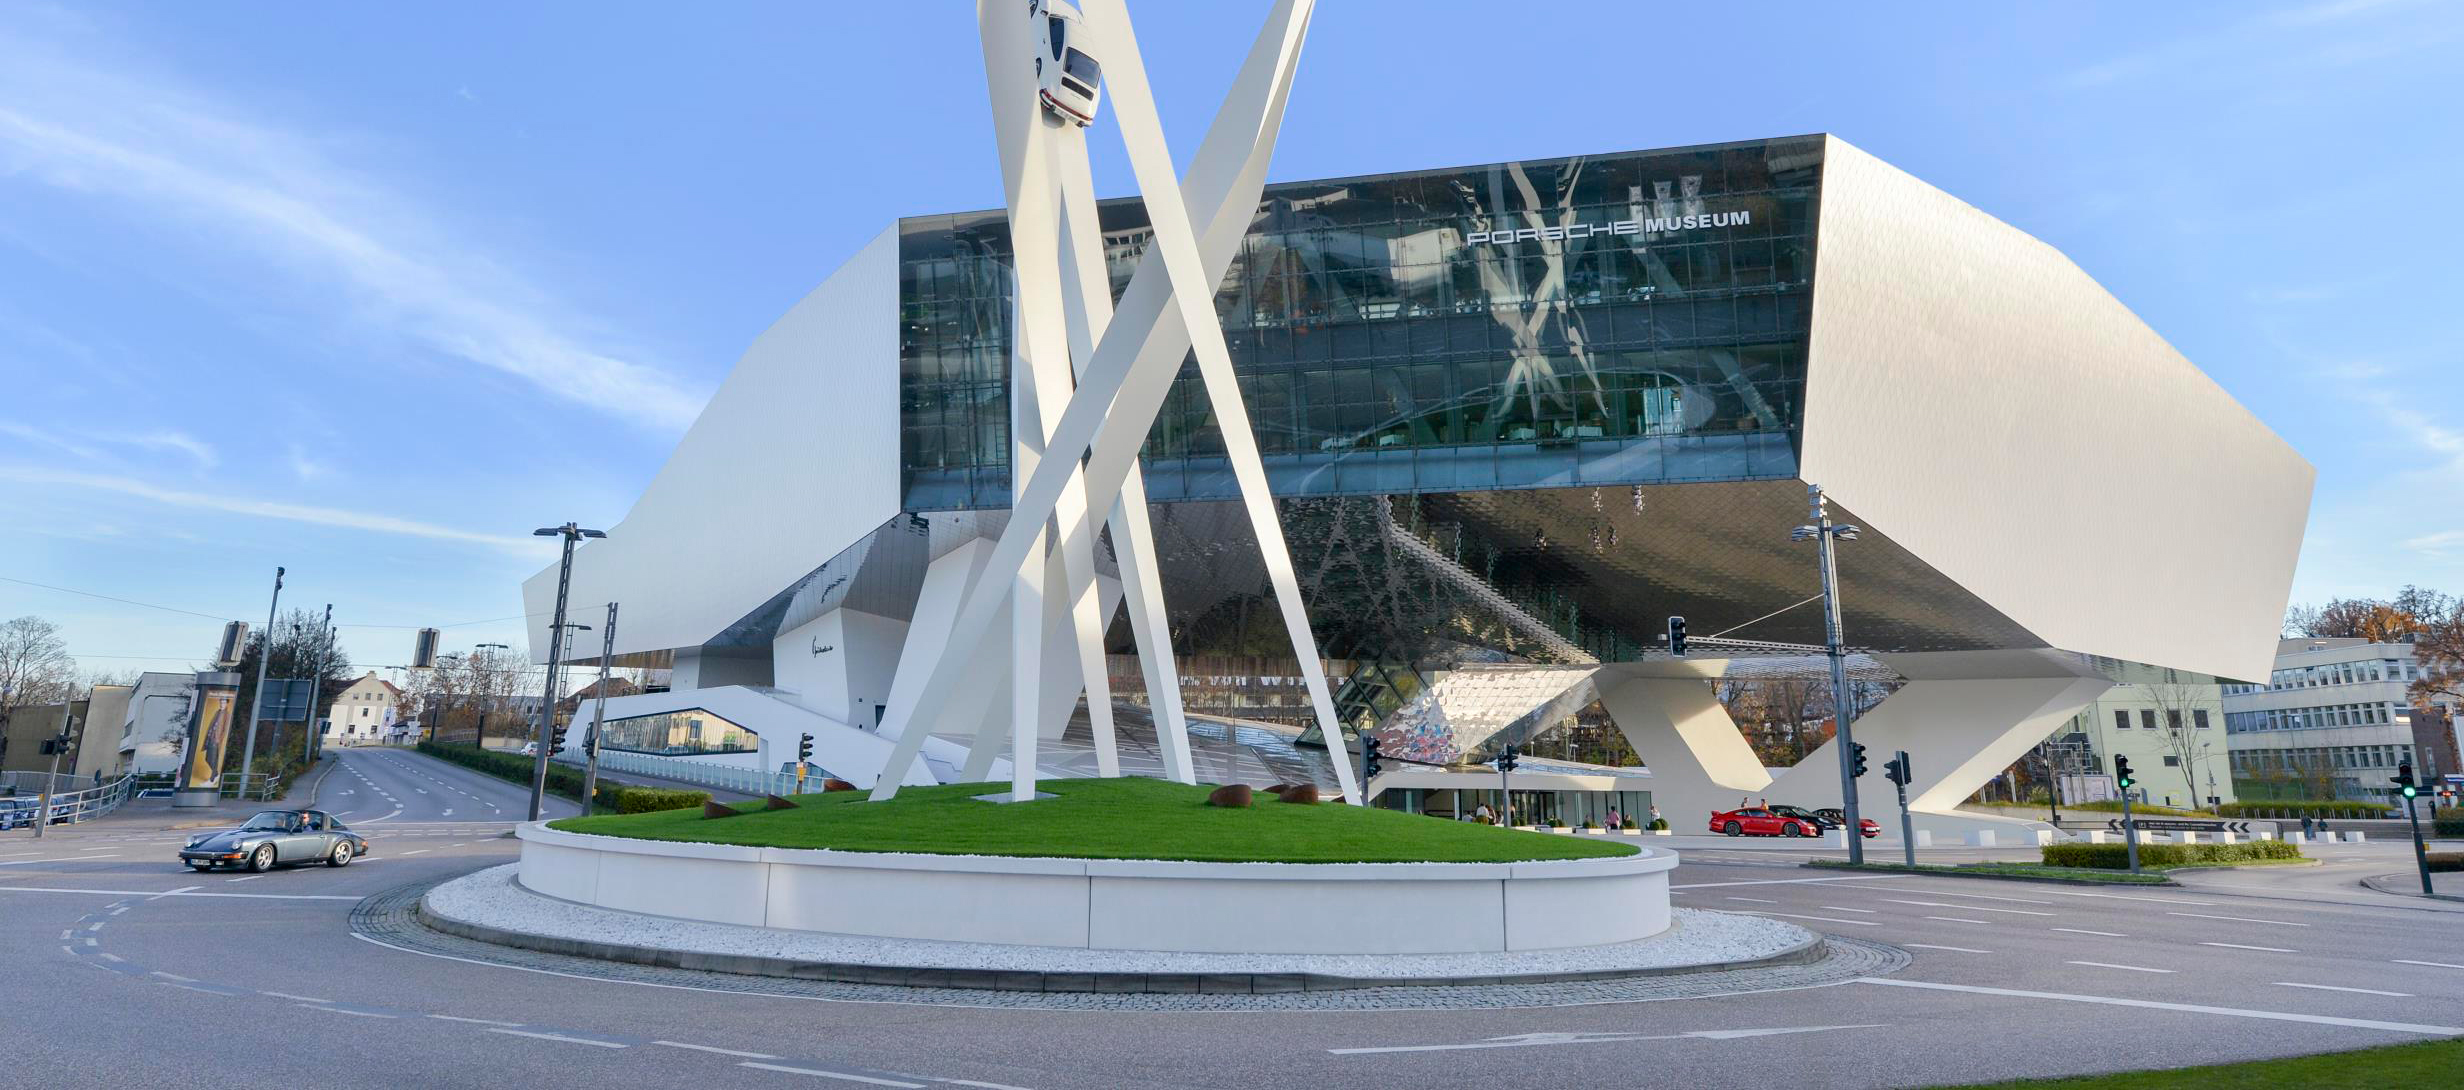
column 1532, row 572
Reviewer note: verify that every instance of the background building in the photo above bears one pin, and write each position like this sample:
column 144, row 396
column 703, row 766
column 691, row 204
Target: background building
column 154, row 732
column 2173, row 735
column 2333, row 720
column 365, row 712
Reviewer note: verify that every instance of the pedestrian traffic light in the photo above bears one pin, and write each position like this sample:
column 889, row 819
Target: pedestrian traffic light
column 1676, row 636
column 1896, row 770
column 1856, row 759
column 2121, row 772
column 1369, row 764
column 804, row 749
column 1507, row 760
column 2403, row 780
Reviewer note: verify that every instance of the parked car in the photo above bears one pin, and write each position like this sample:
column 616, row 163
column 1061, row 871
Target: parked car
column 1833, row 817
column 275, row 838
column 1762, row 821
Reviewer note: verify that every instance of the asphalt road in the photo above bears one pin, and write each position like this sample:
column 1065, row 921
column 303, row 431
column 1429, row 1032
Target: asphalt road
column 121, row 966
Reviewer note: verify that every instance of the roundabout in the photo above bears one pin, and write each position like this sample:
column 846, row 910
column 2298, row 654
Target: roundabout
column 1111, row 886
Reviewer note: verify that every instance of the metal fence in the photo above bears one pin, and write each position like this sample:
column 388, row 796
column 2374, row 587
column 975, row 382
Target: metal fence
column 68, row 807
column 741, row 780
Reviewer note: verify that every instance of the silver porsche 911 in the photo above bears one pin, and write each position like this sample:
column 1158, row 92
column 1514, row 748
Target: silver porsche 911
column 277, row 838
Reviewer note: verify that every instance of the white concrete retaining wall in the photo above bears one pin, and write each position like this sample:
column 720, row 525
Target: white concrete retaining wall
column 1278, row 908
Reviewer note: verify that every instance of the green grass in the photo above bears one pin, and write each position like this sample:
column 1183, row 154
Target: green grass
column 2009, row 870
column 1127, row 818
column 2428, row 1063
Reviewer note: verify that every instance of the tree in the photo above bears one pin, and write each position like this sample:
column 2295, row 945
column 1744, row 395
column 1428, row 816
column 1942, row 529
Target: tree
column 2438, row 653
column 35, row 668
column 301, row 643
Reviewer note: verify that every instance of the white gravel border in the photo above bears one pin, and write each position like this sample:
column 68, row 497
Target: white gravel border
column 492, row 898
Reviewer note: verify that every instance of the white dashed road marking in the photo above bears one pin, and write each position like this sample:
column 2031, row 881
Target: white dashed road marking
column 2238, row 946
column 2110, row 965
column 841, row 1075
column 561, row 1037
column 721, row 1051
column 2431, row 964
column 2333, row 988
column 2150, row 1004
column 2085, row 931
column 2237, row 919
column 1954, row 919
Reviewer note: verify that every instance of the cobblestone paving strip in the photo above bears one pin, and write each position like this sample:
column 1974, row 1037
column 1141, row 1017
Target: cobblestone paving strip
column 391, row 918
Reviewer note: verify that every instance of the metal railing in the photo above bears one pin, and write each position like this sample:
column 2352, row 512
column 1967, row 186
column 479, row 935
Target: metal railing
column 67, row 807
column 736, row 778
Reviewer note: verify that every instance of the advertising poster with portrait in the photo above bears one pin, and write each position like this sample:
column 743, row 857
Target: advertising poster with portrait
column 211, row 735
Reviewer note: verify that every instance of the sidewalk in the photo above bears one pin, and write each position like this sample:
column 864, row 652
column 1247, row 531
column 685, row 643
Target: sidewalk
column 2449, row 885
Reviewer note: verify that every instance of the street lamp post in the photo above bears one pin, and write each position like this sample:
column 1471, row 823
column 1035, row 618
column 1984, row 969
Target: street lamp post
column 598, row 713
column 571, row 533
column 1824, row 533
column 256, row 703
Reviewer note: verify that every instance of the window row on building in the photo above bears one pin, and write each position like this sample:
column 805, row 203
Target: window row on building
column 2146, row 718
column 2281, row 762
column 2315, row 718
column 2333, row 673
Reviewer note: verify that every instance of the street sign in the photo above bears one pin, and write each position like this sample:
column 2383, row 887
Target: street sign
column 287, row 700
column 2182, row 825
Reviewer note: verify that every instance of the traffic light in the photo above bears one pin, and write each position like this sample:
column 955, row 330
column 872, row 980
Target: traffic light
column 1368, row 757
column 1507, row 760
column 2121, row 772
column 804, row 749
column 1856, row 758
column 1896, row 770
column 2404, row 781
column 1676, row 636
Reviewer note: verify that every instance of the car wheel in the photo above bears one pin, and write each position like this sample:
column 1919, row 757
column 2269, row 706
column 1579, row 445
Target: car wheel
column 342, row 855
column 1733, row 829
column 1791, row 830
column 261, row 860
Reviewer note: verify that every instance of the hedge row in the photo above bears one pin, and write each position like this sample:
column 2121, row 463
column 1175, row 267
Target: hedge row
column 2117, row 857
column 563, row 779
column 2298, row 810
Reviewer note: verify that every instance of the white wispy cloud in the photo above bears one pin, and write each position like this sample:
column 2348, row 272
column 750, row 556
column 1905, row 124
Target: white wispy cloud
column 2290, row 32
column 90, row 447
column 305, row 467
column 160, row 151
column 342, row 518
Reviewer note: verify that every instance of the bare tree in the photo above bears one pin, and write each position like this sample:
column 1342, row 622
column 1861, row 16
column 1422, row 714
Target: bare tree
column 35, row 668
column 2179, row 710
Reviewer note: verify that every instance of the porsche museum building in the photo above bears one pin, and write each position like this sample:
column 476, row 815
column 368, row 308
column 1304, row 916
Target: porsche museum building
column 1514, row 416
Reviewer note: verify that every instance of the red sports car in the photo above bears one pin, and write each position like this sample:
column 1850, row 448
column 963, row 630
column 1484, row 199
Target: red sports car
column 1761, row 821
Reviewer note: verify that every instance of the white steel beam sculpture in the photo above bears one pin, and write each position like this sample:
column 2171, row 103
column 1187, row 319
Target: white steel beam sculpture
column 1124, row 362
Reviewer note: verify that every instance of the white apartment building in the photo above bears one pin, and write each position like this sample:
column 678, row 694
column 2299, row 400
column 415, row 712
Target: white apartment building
column 2173, row 735
column 366, row 711
column 157, row 720
column 2334, row 714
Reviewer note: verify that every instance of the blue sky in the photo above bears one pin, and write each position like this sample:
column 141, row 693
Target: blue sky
column 371, row 291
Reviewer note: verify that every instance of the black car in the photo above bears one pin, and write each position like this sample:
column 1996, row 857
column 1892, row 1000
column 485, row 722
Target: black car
column 1826, row 819
column 277, row 838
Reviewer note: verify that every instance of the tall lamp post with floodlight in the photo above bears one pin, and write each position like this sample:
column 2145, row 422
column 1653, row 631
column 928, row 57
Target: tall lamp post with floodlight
column 572, row 533
column 1823, row 532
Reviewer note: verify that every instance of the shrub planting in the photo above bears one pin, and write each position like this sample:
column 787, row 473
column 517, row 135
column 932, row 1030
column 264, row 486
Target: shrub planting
column 2116, row 856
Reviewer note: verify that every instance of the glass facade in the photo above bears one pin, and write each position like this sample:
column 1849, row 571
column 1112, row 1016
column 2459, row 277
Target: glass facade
column 678, row 734
column 1619, row 319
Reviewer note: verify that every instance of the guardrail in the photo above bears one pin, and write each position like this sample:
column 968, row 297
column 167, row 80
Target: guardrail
column 68, row 807
column 736, row 778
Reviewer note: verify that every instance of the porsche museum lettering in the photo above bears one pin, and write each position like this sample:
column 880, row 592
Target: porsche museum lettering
column 1655, row 225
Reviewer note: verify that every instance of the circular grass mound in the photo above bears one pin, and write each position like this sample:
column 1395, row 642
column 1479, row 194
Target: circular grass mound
column 1127, row 818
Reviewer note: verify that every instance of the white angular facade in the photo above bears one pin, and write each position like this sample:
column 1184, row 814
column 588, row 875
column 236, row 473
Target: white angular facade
column 2055, row 500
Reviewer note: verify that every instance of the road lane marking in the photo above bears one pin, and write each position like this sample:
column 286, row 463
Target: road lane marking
column 1794, row 916
column 108, row 954
column 1784, row 881
column 1954, row 919
column 473, row 1021
column 56, row 859
column 296, row 998
column 1969, row 908
column 833, row 1075
column 245, row 878
column 721, row 1051
column 186, row 891
column 1845, row 908
column 1960, row 949
column 2238, row 946
column 422, row 851
column 345, row 1010
column 2110, row 965
column 2151, row 1004
column 2432, row 964
column 1757, row 900
column 1547, row 1039
column 2333, row 988
column 560, row 1037
column 2085, row 931
column 1976, row 896
column 983, row 1085
column 209, row 989
column 2127, row 897
column 2238, row 919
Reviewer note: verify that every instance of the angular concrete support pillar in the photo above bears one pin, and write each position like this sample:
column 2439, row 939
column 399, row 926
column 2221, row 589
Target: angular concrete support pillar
column 1958, row 733
column 1699, row 762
